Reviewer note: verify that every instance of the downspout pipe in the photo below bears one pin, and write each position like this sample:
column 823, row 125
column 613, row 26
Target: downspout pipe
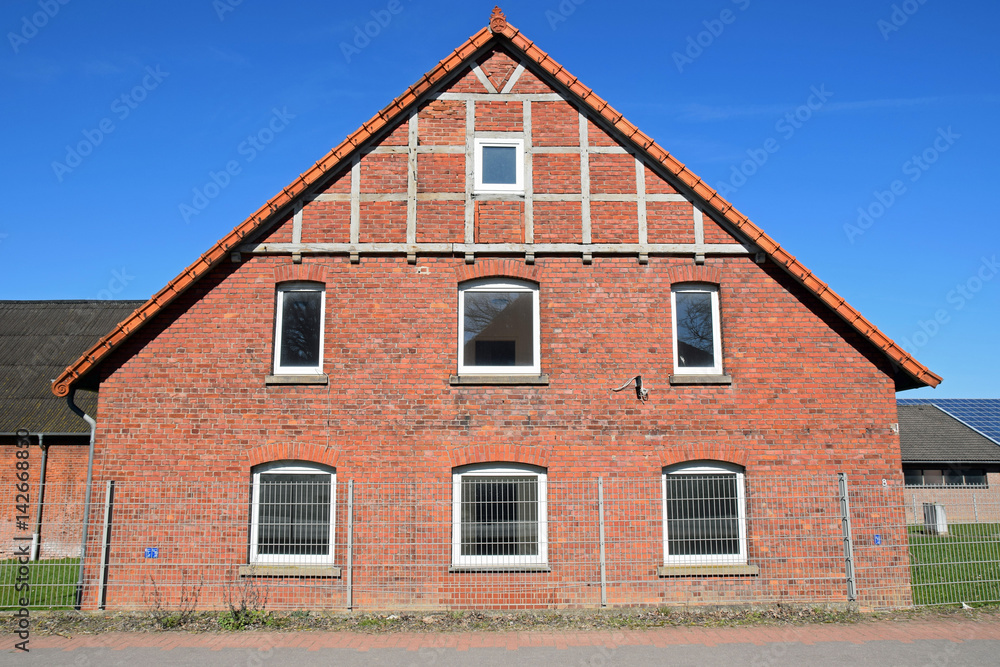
column 86, row 499
column 36, row 536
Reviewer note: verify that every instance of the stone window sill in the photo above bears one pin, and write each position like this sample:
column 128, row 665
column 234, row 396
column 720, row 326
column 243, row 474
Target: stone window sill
column 296, row 379
column 528, row 567
column 472, row 380
column 327, row 571
column 700, row 379
column 707, row 570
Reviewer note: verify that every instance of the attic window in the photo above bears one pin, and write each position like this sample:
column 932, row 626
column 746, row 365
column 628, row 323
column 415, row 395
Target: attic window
column 499, row 166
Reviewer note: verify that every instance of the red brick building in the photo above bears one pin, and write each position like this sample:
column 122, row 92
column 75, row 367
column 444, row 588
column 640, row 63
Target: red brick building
column 440, row 311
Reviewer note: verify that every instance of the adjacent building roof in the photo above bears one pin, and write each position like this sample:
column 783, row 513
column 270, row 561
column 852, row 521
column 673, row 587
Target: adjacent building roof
column 927, row 434
column 910, row 373
column 37, row 340
column 979, row 414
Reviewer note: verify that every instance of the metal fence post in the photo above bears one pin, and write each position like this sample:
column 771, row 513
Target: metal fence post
column 350, row 544
column 600, row 511
column 845, row 521
column 102, row 590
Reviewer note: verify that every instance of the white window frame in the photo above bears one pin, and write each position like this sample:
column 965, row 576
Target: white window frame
column 499, row 188
column 291, row 468
column 713, row 290
column 499, row 470
column 709, row 468
column 283, row 289
column 500, row 285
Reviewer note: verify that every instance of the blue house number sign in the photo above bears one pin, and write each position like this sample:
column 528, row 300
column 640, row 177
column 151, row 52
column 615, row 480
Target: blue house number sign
column 152, row 552
column 878, row 541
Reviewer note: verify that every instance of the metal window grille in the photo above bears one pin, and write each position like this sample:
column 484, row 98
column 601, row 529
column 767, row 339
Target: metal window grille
column 499, row 516
column 703, row 515
column 294, row 515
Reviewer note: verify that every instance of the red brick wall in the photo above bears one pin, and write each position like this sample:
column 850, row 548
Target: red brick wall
column 184, row 400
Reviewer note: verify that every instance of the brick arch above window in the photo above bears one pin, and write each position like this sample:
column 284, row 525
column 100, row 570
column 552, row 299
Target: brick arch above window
column 497, row 268
column 300, row 272
column 694, row 273
column 499, row 454
column 704, row 452
column 294, row 451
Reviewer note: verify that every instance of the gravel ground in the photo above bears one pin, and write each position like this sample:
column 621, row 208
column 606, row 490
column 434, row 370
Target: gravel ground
column 68, row 623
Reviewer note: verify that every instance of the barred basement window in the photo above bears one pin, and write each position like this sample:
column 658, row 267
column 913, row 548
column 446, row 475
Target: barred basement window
column 293, row 513
column 704, row 510
column 499, row 516
column 298, row 332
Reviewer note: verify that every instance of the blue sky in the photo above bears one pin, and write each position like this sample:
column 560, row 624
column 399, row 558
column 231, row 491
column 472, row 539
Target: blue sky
column 861, row 135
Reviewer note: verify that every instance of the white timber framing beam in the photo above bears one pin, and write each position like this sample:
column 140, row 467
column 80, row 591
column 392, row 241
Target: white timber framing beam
column 585, row 230
column 485, row 80
column 499, row 97
column 355, row 205
column 699, row 235
column 512, row 81
column 297, row 224
column 529, row 182
column 470, row 174
column 411, row 186
column 572, row 249
column 459, row 196
column 640, row 206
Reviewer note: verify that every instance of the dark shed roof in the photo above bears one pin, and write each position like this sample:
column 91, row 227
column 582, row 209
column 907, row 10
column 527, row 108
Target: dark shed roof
column 927, row 434
column 38, row 339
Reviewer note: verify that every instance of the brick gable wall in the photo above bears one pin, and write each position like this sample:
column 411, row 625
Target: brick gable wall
column 186, row 400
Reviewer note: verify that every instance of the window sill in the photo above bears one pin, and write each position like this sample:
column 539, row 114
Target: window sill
column 527, row 567
column 470, row 380
column 701, row 379
column 296, row 379
column 327, row 571
column 707, row 570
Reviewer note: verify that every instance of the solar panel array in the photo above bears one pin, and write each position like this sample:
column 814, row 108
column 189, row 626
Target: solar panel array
column 982, row 414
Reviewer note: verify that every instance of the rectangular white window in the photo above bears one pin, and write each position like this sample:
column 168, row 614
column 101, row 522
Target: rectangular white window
column 298, row 337
column 499, row 165
column 499, row 516
column 704, row 514
column 292, row 514
column 498, row 328
column 697, row 337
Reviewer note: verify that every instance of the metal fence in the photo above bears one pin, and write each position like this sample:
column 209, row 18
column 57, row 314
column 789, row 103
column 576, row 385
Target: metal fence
column 952, row 537
column 500, row 540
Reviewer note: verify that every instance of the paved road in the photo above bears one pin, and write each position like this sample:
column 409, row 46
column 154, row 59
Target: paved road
column 884, row 644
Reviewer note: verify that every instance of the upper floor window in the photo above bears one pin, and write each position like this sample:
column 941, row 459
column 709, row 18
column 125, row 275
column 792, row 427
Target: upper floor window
column 298, row 334
column 293, row 513
column 499, row 165
column 498, row 332
column 697, row 338
column 499, row 515
column 704, row 514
